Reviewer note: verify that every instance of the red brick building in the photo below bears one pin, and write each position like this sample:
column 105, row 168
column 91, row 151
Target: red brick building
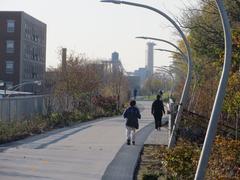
column 22, row 49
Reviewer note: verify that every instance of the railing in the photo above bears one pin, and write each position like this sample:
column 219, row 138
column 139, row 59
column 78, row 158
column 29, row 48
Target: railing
column 20, row 108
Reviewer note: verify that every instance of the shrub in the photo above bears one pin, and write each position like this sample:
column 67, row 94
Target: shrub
column 15, row 130
column 225, row 159
column 150, row 177
column 108, row 104
column 181, row 161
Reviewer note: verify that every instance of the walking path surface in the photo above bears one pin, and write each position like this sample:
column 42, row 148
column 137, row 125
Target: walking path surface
column 82, row 152
column 159, row 137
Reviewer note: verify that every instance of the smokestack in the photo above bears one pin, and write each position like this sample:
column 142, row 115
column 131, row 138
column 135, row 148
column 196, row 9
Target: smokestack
column 150, row 58
column 64, row 60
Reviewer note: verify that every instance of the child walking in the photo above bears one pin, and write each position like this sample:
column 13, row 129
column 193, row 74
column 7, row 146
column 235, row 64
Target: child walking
column 132, row 115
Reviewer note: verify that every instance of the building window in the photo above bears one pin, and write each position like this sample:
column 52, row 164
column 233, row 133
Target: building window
column 9, row 67
column 10, row 26
column 10, row 46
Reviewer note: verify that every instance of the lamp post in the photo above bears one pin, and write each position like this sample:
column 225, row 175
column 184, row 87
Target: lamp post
column 173, row 68
column 168, row 42
column 212, row 127
column 171, row 104
column 171, row 75
column 174, row 52
column 3, row 84
column 189, row 75
column 23, row 84
column 178, row 53
column 15, row 88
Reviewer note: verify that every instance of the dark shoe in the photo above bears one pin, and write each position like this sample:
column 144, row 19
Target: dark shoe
column 133, row 143
column 128, row 142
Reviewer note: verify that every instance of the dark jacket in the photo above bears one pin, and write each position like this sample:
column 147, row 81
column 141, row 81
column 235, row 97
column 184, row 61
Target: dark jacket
column 132, row 115
column 158, row 108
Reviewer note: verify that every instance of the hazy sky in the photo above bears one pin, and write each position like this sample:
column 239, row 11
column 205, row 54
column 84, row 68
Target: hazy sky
column 97, row 29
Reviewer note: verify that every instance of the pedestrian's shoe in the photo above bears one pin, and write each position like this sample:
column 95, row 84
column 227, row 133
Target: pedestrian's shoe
column 128, row 142
column 133, row 143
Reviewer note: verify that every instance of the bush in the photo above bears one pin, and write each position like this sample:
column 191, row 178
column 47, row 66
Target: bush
column 181, row 161
column 152, row 164
column 15, row 130
column 108, row 104
column 150, row 177
column 225, row 159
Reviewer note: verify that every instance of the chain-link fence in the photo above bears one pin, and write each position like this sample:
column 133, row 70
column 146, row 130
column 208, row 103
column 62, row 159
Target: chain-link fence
column 19, row 108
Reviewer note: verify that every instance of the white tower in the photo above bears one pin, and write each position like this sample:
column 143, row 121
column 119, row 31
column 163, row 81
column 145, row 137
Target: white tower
column 150, row 58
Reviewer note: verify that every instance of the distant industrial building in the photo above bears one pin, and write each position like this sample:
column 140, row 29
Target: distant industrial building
column 147, row 71
column 22, row 49
column 116, row 63
column 115, row 57
column 134, row 83
column 142, row 74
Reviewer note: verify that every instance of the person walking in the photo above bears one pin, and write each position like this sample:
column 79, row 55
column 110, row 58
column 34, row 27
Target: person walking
column 131, row 114
column 157, row 112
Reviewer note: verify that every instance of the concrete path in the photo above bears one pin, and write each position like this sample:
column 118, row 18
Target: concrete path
column 123, row 166
column 82, row 152
column 159, row 137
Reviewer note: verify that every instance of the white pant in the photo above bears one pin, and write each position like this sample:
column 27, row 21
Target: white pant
column 131, row 132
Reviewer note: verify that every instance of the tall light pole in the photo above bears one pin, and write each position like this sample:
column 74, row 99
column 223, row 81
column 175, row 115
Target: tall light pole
column 23, row 84
column 171, row 75
column 212, row 127
column 173, row 68
column 15, row 88
column 189, row 75
column 168, row 42
column 174, row 52
column 179, row 53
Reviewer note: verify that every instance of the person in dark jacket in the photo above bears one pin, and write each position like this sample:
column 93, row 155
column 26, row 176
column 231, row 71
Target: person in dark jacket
column 157, row 112
column 131, row 115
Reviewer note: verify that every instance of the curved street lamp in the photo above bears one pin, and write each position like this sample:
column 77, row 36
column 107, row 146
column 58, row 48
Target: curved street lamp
column 189, row 75
column 174, row 52
column 171, row 75
column 212, row 127
column 23, row 84
column 163, row 40
column 15, row 88
column 171, row 102
column 180, row 53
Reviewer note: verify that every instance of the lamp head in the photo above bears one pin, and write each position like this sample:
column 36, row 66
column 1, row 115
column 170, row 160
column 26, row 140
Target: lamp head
column 111, row 1
column 158, row 49
column 141, row 37
column 39, row 83
column 2, row 83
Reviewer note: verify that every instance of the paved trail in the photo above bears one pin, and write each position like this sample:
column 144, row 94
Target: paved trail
column 82, row 152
